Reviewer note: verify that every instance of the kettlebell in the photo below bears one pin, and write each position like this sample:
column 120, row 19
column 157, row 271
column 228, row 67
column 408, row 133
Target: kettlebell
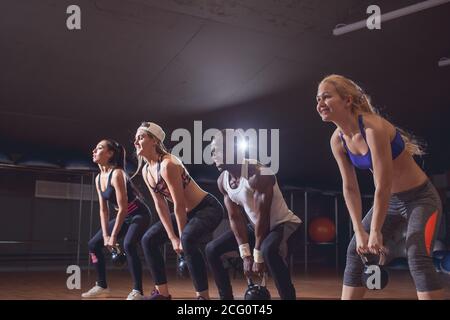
column 441, row 261
column 375, row 275
column 445, row 263
column 182, row 267
column 257, row 291
column 118, row 256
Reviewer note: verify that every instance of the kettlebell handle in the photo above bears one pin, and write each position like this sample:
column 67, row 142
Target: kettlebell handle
column 263, row 280
column 381, row 259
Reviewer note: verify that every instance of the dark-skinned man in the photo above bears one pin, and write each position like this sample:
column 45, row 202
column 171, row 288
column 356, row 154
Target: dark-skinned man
column 259, row 218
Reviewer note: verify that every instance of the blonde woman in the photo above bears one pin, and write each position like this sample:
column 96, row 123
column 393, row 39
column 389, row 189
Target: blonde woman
column 365, row 140
column 196, row 212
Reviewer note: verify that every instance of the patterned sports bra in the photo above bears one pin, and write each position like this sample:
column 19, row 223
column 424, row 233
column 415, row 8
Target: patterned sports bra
column 161, row 185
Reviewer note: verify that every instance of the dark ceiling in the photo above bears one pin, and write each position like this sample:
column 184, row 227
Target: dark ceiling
column 229, row 63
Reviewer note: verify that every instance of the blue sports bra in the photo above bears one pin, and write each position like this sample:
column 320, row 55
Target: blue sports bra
column 364, row 162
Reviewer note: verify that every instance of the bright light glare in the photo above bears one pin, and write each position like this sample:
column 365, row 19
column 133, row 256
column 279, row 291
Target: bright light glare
column 243, row 145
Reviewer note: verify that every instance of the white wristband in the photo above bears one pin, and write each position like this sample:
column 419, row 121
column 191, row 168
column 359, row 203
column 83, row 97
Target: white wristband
column 257, row 256
column 244, row 250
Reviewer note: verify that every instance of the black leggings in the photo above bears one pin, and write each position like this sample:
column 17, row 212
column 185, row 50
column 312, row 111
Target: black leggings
column 202, row 221
column 275, row 249
column 132, row 229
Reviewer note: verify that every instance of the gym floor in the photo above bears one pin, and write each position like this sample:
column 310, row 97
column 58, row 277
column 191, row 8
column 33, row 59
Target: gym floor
column 318, row 284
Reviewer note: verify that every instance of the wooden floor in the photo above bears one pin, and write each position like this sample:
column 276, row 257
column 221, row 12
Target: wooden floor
column 315, row 285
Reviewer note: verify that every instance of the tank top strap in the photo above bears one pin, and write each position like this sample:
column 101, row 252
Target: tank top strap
column 109, row 178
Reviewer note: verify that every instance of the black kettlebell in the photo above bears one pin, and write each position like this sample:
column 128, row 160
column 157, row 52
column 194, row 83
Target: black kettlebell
column 182, row 267
column 257, row 291
column 375, row 275
column 118, row 256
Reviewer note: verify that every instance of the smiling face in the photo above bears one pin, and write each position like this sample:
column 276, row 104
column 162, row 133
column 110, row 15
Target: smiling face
column 101, row 154
column 330, row 105
column 143, row 142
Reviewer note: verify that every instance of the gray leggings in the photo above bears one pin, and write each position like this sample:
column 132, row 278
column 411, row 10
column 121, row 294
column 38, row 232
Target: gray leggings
column 420, row 209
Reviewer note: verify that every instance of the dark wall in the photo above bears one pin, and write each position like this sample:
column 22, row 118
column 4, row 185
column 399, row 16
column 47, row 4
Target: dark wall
column 47, row 229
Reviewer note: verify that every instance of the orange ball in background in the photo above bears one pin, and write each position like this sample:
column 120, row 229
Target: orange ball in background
column 322, row 230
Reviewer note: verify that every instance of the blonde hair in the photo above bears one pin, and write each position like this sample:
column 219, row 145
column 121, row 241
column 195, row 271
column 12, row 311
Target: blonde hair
column 361, row 104
column 160, row 148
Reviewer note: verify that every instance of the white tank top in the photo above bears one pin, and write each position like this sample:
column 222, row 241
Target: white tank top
column 243, row 196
